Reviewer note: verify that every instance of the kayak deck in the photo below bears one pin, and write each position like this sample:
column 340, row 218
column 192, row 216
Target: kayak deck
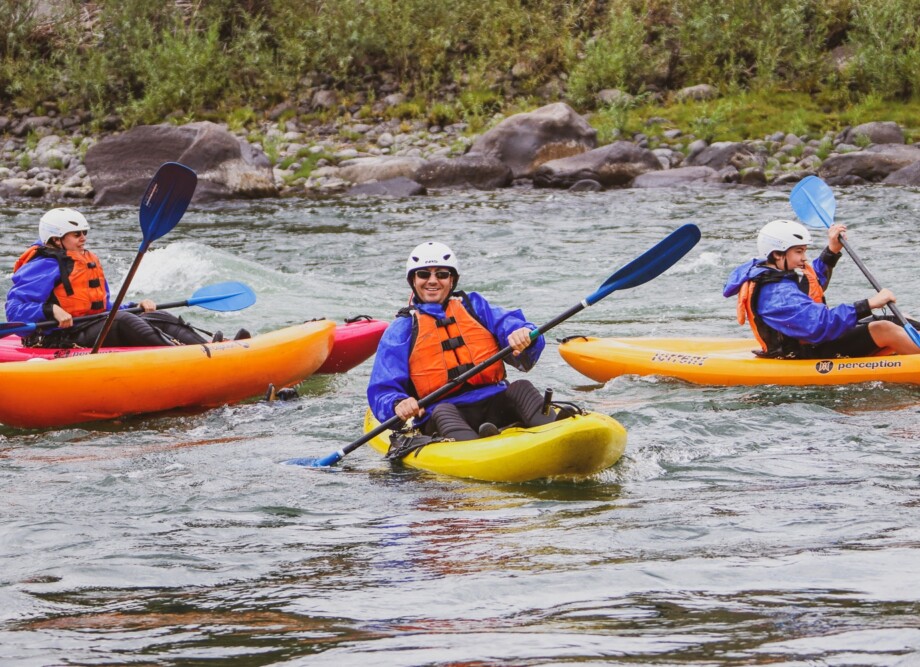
column 726, row 362
column 572, row 448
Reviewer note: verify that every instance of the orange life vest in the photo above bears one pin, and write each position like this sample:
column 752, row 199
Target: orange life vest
column 443, row 349
column 81, row 290
column 770, row 340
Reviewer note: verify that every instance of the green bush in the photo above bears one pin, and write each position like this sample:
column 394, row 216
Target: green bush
column 150, row 60
column 442, row 114
column 886, row 37
column 616, row 59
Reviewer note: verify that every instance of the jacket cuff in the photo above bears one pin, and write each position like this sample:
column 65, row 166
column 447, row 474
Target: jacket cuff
column 48, row 311
column 829, row 258
column 862, row 309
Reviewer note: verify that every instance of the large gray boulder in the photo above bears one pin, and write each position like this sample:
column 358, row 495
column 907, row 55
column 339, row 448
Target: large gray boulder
column 478, row 171
column 399, row 187
column 121, row 166
column 871, row 165
column 724, row 154
column 906, row 152
column 877, row 132
column 379, row 168
column 614, row 165
column 526, row 140
column 909, row 175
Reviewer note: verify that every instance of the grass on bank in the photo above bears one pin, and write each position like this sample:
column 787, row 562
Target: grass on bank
column 754, row 115
column 802, row 66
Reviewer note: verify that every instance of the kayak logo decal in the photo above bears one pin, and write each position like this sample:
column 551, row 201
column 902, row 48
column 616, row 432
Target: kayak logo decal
column 825, row 367
column 675, row 358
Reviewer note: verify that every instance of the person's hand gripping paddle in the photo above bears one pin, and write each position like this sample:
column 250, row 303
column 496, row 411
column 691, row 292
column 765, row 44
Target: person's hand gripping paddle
column 813, row 202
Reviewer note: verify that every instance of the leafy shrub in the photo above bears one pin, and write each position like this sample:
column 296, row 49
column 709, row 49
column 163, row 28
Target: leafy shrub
column 613, row 60
column 151, row 60
column 406, row 110
column 442, row 114
column 886, row 36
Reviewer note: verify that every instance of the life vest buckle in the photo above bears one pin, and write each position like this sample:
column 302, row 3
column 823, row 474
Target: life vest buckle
column 452, row 343
column 457, row 371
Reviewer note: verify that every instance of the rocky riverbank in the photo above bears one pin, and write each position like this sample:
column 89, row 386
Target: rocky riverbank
column 51, row 158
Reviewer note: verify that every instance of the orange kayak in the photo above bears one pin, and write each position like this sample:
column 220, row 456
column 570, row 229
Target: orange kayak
column 355, row 342
column 56, row 392
column 726, row 362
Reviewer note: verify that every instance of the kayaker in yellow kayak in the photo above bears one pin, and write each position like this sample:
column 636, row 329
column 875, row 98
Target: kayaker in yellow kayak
column 440, row 335
column 781, row 295
column 58, row 279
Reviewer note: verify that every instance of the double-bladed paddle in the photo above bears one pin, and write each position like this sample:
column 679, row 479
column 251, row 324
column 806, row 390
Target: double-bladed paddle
column 651, row 264
column 162, row 206
column 222, row 297
column 813, row 202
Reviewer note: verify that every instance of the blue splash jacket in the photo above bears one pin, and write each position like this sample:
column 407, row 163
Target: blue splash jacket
column 389, row 381
column 785, row 308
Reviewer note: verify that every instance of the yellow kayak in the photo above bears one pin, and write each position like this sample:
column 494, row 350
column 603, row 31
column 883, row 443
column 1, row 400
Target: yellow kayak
column 727, row 362
column 572, row 448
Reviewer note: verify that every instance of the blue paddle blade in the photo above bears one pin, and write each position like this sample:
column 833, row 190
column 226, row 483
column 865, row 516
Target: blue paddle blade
column 224, row 297
column 912, row 332
column 165, row 200
column 651, row 264
column 813, row 202
column 18, row 328
column 310, row 462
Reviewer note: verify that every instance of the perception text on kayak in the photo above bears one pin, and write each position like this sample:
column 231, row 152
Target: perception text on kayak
column 867, row 365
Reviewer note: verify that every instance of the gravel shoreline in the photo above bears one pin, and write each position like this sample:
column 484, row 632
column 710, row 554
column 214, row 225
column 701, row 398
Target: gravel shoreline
column 42, row 156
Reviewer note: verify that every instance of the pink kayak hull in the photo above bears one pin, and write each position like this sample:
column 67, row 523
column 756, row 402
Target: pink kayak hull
column 355, row 342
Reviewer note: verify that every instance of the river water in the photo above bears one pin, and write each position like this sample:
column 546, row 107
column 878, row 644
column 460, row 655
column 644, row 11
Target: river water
column 743, row 526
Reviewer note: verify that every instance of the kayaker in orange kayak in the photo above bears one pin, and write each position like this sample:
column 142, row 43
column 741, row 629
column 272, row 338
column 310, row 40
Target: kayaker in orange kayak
column 781, row 296
column 440, row 335
column 58, row 279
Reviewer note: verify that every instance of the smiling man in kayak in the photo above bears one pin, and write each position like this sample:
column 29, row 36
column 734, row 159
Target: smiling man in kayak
column 58, row 279
column 439, row 336
column 782, row 298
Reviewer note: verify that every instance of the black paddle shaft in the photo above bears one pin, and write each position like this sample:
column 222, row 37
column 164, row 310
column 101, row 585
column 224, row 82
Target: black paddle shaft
column 121, row 296
column 395, row 421
column 99, row 316
column 878, row 287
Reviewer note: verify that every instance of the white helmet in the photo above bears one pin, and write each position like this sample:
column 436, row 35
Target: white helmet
column 431, row 253
column 58, row 221
column 780, row 235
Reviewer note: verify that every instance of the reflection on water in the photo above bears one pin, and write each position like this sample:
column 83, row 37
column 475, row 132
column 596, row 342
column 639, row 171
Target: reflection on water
column 744, row 525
